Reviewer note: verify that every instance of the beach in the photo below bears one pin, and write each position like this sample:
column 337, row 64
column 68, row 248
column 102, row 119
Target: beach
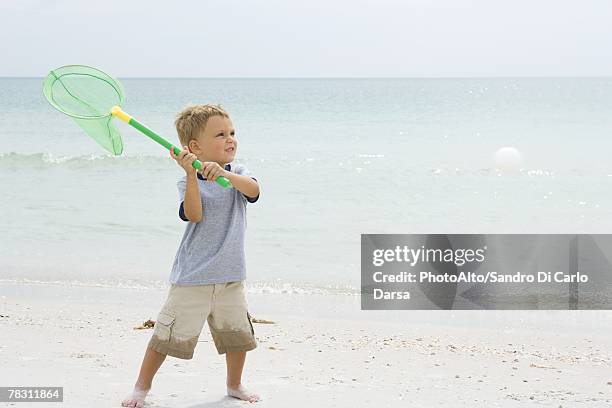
column 321, row 350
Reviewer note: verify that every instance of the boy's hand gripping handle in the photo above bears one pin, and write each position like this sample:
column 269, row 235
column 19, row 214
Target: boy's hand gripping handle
column 117, row 112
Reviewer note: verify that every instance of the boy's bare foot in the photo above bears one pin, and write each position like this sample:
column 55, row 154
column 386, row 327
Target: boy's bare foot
column 242, row 393
column 136, row 399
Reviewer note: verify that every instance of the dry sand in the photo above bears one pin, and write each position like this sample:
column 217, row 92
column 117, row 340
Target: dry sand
column 321, row 351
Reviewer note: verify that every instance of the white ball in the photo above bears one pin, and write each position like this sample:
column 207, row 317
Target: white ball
column 508, row 159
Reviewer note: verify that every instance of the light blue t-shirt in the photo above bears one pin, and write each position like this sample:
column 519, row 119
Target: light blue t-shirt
column 212, row 250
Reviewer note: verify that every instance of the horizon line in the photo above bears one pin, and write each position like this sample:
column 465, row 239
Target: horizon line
column 343, row 77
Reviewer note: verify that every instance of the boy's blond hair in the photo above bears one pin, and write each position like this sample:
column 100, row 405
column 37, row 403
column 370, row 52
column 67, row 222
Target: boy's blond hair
column 192, row 120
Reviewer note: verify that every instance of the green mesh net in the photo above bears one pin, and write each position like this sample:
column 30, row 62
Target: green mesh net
column 87, row 94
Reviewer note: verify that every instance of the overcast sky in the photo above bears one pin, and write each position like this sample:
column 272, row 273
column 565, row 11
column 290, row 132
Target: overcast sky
column 309, row 38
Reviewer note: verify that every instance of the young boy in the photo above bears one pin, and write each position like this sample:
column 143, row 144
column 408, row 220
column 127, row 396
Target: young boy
column 209, row 267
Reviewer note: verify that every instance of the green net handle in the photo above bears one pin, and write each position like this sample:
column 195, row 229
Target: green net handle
column 117, row 112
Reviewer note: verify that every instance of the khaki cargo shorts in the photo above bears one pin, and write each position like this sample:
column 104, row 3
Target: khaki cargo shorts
column 182, row 318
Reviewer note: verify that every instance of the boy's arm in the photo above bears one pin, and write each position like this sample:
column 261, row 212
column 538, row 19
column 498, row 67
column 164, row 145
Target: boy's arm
column 245, row 184
column 192, row 205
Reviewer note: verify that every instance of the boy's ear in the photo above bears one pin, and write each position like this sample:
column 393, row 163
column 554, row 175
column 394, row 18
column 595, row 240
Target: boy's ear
column 193, row 146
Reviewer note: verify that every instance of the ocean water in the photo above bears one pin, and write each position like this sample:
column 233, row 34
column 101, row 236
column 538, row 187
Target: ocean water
column 335, row 158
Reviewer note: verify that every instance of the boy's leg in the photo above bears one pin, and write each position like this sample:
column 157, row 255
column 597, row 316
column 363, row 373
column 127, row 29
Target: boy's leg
column 233, row 334
column 150, row 364
column 177, row 328
column 235, row 364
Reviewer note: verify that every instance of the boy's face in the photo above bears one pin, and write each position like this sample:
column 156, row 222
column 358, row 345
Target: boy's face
column 216, row 142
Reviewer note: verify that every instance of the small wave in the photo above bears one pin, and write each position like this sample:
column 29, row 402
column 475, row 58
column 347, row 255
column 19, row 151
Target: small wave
column 301, row 288
column 102, row 283
column 17, row 160
column 377, row 156
column 254, row 287
column 490, row 171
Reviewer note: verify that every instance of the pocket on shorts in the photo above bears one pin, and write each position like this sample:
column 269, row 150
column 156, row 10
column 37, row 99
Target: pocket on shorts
column 164, row 324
